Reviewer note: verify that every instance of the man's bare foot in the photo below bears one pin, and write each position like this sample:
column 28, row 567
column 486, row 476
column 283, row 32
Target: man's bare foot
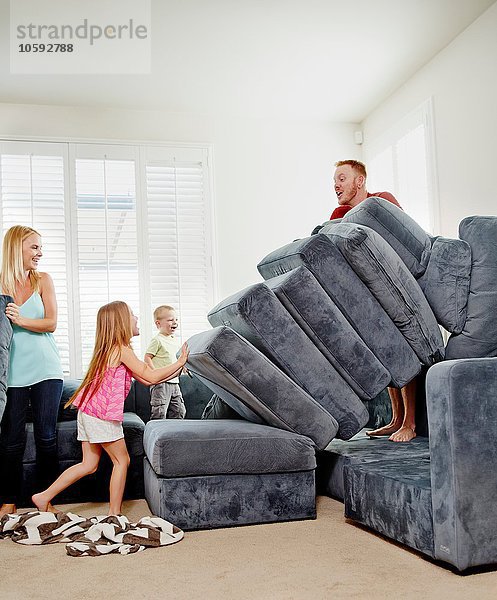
column 7, row 509
column 40, row 502
column 404, row 434
column 386, row 430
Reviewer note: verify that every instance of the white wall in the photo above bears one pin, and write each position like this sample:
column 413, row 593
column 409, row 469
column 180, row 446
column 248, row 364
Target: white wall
column 272, row 179
column 462, row 80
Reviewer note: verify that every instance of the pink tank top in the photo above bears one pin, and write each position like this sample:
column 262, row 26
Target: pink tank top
column 107, row 403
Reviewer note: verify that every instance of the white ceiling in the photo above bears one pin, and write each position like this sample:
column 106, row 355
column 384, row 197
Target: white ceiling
column 319, row 59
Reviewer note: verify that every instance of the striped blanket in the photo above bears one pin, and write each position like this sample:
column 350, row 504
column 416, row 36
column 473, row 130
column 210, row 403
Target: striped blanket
column 94, row 536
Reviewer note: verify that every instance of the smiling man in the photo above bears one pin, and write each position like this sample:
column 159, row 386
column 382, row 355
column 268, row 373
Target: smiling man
column 350, row 187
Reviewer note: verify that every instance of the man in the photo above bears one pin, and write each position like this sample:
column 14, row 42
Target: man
column 350, row 188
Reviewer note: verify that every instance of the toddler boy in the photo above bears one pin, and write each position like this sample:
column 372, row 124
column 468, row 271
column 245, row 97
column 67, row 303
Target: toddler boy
column 166, row 401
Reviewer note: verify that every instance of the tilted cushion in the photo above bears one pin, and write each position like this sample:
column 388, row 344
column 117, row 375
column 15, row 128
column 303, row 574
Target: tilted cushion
column 253, row 386
column 352, row 297
column 188, row 448
column 389, row 280
column 402, row 232
column 315, row 312
column 445, row 283
column 479, row 335
column 256, row 314
column 5, row 338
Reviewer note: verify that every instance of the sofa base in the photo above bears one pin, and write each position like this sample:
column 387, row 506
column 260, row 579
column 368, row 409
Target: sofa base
column 211, row 501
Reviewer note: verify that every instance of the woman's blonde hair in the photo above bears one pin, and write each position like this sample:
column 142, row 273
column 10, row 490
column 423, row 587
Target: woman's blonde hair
column 12, row 263
column 114, row 331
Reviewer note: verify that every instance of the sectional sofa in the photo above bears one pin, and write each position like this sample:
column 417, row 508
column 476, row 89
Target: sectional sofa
column 339, row 316
column 297, row 365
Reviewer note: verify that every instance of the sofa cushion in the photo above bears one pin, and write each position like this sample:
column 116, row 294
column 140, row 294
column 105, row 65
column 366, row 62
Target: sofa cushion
column 315, row 312
column 391, row 283
column 395, row 226
column 394, row 498
column 479, row 335
column 253, row 386
column 185, row 448
column 256, row 314
column 352, row 297
column 445, row 283
column 5, row 338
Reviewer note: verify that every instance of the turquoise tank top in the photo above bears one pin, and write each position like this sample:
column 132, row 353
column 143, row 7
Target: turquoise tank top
column 33, row 356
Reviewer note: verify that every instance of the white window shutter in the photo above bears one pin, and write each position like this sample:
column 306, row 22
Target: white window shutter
column 32, row 184
column 177, row 222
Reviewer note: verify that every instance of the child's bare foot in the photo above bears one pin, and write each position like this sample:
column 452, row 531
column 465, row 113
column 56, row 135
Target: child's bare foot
column 404, row 434
column 7, row 509
column 40, row 502
column 386, row 430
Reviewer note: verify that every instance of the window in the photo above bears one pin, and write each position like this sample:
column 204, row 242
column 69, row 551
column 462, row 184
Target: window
column 402, row 162
column 118, row 222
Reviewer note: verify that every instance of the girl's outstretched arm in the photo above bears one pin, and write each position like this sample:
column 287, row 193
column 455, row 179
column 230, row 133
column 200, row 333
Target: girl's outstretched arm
column 143, row 373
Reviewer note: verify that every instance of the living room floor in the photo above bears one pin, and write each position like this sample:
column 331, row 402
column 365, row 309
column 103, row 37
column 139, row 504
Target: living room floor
column 325, row 558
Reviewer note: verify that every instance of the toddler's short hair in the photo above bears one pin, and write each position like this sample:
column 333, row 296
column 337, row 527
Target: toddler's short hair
column 160, row 309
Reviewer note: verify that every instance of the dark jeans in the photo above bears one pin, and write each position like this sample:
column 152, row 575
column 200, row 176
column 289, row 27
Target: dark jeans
column 44, row 398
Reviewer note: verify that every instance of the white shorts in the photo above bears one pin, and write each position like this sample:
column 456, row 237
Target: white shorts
column 97, row 431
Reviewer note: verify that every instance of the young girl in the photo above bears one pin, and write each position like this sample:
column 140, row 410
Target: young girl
column 100, row 401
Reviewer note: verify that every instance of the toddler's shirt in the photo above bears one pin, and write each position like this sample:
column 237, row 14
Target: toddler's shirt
column 163, row 349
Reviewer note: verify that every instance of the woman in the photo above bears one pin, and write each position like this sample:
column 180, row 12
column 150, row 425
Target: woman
column 35, row 373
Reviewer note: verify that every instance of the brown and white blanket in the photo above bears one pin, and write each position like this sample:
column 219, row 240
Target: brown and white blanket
column 93, row 536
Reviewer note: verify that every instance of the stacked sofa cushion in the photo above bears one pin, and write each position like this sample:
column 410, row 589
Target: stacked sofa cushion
column 391, row 283
column 352, row 297
column 478, row 337
column 256, row 388
column 441, row 266
column 257, row 315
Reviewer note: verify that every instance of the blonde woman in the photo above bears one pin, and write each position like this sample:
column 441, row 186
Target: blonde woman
column 35, row 373
column 100, row 402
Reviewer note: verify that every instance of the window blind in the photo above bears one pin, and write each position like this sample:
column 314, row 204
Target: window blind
column 118, row 222
column 32, row 194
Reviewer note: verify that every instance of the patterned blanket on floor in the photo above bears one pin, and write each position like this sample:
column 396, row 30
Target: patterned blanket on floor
column 89, row 536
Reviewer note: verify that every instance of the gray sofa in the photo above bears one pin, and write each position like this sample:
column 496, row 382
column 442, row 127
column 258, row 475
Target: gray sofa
column 339, row 314
column 296, row 364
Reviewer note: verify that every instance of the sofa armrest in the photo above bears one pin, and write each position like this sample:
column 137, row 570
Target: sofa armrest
column 461, row 398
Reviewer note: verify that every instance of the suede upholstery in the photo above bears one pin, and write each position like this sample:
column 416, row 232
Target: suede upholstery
column 352, row 297
column 479, row 335
column 187, row 448
column 445, row 283
column 5, row 337
column 312, row 308
column 462, row 415
column 253, row 386
column 211, row 501
column 391, row 283
column 396, row 227
column 215, row 473
column 257, row 314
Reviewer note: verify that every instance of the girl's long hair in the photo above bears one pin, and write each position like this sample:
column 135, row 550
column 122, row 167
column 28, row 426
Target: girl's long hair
column 113, row 332
column 12, row 263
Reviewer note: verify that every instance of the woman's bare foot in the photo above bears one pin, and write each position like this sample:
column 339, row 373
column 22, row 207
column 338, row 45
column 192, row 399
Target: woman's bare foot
column 383, row 431
column 51, row 508
column 40, row 502
column 404, row 434
column 7, row 509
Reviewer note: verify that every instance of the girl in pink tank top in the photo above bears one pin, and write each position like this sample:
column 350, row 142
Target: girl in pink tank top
column 100, row 402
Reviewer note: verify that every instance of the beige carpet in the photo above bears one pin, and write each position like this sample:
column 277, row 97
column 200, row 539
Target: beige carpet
column 324, row 559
